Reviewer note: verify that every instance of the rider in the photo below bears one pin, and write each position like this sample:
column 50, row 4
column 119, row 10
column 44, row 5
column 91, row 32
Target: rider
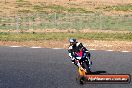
column 77, row 47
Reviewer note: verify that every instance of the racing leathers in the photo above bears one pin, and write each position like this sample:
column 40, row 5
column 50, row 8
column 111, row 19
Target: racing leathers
column 76, row 49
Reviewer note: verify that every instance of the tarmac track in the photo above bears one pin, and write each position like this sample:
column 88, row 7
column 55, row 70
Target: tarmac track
column 51, row 68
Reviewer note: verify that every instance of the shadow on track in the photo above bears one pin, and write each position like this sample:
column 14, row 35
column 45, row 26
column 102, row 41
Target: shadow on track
column 82, row 80
column 98, row 72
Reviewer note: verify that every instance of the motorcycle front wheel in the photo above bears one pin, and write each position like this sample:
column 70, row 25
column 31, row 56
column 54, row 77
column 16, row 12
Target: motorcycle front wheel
column 86, row 66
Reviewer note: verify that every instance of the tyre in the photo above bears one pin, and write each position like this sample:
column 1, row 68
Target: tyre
column 86, row 66
column 80, row 80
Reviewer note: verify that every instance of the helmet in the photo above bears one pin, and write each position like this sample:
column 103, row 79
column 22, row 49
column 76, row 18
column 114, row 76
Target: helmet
column 72, row 40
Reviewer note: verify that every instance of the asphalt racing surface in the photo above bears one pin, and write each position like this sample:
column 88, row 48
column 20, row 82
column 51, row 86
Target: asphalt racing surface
column 24, row 67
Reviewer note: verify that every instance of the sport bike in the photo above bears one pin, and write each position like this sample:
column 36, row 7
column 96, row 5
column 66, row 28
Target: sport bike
column 85, row 66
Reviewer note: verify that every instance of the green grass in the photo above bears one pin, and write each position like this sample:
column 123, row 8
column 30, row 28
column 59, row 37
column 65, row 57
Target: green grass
column 19, row 0
column 56, row 8
column 127, row 7
column 38, row 16
column 61, row 36
column 79, row 10
column 38, row 7
column 22, row 3
column 42, row 16
column 68, row 21
column 59, row 9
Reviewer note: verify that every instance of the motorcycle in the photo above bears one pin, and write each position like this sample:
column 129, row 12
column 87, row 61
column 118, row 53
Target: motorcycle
column 85, row 66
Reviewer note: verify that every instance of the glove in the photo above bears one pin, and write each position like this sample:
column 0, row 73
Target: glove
column 73, row 61
column 76, row 62
column 81, row 68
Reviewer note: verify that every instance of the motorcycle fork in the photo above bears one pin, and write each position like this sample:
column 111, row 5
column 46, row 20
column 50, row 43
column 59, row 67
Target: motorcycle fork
column 81, row 72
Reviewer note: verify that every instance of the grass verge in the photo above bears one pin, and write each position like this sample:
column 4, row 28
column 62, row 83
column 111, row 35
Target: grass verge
column 61, row 36
column 126, row 7
column 66, row 21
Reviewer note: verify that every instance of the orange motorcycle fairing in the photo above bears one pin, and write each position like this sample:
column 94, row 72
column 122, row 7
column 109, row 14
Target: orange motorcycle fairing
column 81, row 72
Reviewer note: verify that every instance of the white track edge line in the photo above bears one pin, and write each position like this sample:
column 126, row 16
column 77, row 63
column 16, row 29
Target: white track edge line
column 62, row 48
column 125, row 51
column 92, row 49
column 14, row 46
column 57, row 48
column 35, row 47
column 110, row 50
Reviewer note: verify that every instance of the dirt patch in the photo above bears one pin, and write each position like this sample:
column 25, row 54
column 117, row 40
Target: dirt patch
column 77, row 1
column 9, row 7
column 90, row 44
column 108, row 45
